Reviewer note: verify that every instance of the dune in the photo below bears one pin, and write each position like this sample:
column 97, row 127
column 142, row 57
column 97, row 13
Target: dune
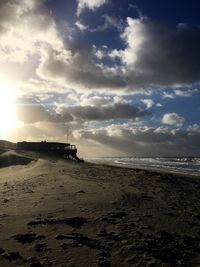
column 61, row 213
column 7, row 145
column 11, row 158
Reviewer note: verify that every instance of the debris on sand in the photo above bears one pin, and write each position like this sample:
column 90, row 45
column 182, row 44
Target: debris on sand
column 170, row 248
column 12, row 256
column 27, row 238
column 80, row 240
column 76, row 222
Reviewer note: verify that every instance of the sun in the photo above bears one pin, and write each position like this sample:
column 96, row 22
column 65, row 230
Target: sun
column 8, row 118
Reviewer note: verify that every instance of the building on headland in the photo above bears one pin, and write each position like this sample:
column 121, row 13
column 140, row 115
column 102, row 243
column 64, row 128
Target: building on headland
column 52, row 148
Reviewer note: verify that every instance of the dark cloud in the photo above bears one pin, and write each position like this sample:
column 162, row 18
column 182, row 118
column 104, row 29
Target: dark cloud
column 79, row 70
column 155, row 55
column 103, row 113
column 145, row 141
column 31, row 110
column 167, row 54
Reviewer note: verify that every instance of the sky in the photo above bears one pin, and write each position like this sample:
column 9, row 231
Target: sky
column 116, row 78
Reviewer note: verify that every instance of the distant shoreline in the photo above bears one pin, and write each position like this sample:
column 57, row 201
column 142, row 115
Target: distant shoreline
column 146, row 168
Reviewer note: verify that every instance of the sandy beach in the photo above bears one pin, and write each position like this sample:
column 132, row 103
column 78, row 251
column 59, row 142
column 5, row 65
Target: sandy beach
column 62, row 213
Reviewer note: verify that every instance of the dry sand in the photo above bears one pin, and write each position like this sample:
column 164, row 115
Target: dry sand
column 61, row 213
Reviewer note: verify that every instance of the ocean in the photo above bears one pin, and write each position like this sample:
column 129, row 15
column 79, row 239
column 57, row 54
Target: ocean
column 182, row 165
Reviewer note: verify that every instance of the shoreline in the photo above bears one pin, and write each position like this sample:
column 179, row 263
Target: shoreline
column 58, row 213
column 161, row 170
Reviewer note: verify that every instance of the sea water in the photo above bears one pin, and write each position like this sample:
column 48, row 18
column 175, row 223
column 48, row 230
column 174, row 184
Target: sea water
column 181, row 165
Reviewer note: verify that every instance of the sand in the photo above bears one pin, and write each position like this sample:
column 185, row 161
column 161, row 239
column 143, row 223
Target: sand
column 10, row 158
column 60, row 213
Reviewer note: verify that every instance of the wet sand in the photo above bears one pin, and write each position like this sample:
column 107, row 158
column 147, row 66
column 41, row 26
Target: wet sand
column 61, row 213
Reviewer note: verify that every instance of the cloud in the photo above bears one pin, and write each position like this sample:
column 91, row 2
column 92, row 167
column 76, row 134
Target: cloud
column 90, row 4
column 161, row 55
column 168, row 95
column 155, row 56
column 101, row 113
column 142, row 141
column 30, row 110
column 101, row 100
column 109, row 22
column 78, row 69
column 185, row 93
column 148, row 102
column 173, row 119
column 24, row 23
column 180, row 92
column 81, row 26
column 195, row 128
column 159, row 105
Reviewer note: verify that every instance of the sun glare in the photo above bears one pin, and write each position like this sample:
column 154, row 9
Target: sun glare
column 8, row 119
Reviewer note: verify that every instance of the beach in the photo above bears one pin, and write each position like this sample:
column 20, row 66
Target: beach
column 56, row 212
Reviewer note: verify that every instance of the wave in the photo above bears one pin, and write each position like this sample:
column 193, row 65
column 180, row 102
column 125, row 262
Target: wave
column 181, row 165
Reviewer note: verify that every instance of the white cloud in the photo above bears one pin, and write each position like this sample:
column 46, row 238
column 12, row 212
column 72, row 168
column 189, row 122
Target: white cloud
column 95, row 100
column 148, row 102
column 195, row 128
column 109, row 22
column 134, row 36
column 168, row 95
column 24, row 23
column 159, row 105
column 90, row 4
column 173, row 119
column 185, row 93
column 81, row 26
